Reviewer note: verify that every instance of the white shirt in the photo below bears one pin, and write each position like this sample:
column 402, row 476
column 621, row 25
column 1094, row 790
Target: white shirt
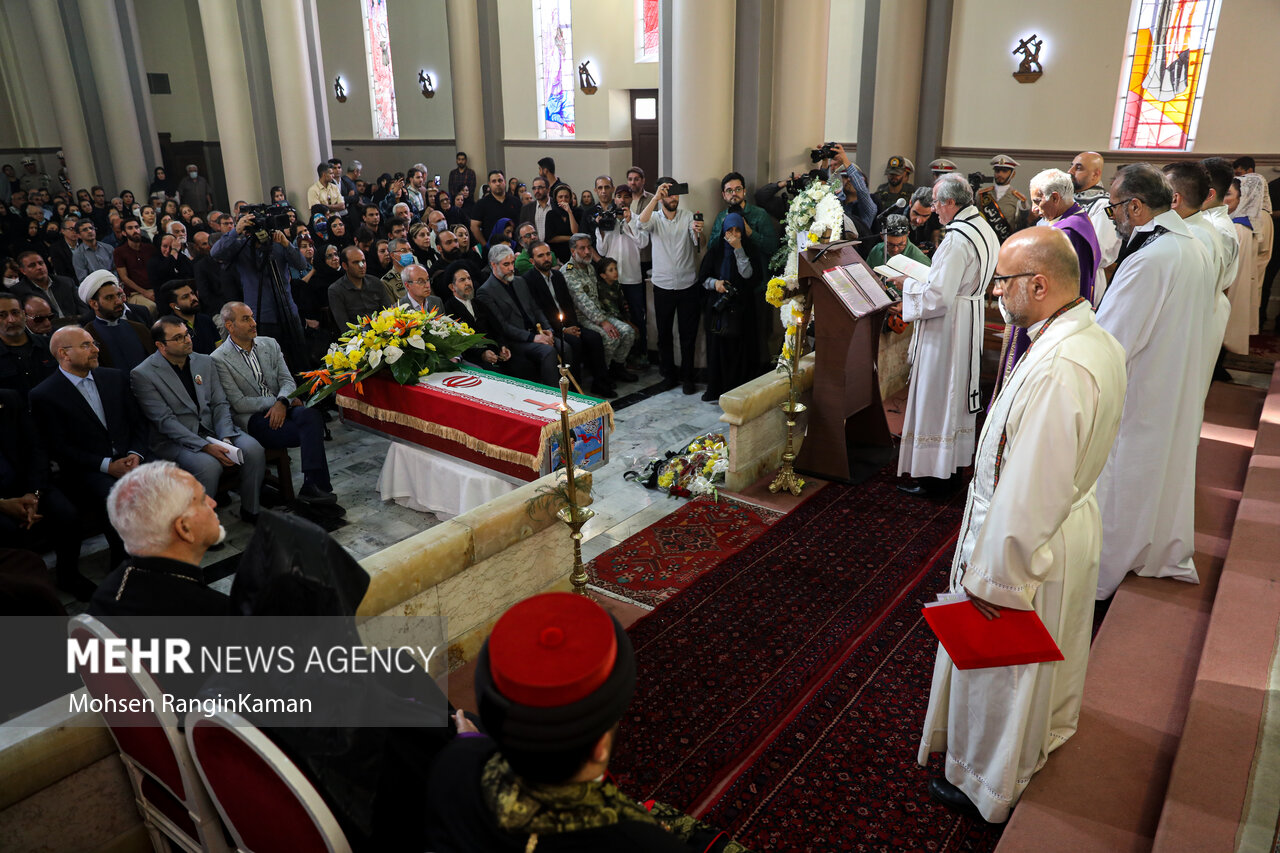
column 675, row 255
column 540, row 218
column 88, row 389
column 623, row 244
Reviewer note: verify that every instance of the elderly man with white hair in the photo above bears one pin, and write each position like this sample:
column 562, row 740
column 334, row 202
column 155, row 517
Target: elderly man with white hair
column 167, row 522
column 938, row 432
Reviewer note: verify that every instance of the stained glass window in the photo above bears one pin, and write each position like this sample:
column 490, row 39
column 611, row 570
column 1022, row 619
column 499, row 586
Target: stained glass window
column 382, row 89
column 553, row 65
column 646, row 30
column 1162, row 79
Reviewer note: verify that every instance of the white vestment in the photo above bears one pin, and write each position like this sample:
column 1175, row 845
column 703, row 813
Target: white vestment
column 1217, row 234
column 1155, row 308
column 1243, row 315
column 946, row 346
column 1030, row 541
column 1095, row 201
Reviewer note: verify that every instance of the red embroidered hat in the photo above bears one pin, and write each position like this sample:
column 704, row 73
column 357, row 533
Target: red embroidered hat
column 552, row 650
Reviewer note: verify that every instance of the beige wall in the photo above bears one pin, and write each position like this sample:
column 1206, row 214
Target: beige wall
column 897, row 85
column 844, row 69
column 22, row 104
column 1072, row 106
column 168, row 31
column 419, row 39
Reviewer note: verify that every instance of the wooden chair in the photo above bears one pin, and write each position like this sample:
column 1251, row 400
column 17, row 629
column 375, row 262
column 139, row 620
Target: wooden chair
column 263, row 797
column 282, row 479
column 175, row 807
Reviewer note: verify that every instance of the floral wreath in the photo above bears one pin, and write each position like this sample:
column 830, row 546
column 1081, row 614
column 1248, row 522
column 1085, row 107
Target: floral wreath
column 814, row 215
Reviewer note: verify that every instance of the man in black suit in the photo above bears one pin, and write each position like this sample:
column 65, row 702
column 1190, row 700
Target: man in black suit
column 551, row 292
column 24, row 357
column 179, row 297
column 60, row 253
column 123, row 343
column 462, row 306
column 58, row 290
column 34, row 515
column 90, row 424
column 522, row 323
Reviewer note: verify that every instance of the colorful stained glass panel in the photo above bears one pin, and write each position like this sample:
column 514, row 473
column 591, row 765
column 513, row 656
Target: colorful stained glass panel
column 553, row 65
column 1165, row 65
column 382, row 88
column 646, row 30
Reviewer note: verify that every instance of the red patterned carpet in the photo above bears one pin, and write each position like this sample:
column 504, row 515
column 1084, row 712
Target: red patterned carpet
column 666, row 557
column 782, row 693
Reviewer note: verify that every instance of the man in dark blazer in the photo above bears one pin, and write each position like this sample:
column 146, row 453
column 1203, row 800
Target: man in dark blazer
column 462, row 306
column 90, row 424
column 58, row 290
column 181, row 396
column 34, row 514
column 178, row 297
column 525, row 328
column 551, row 292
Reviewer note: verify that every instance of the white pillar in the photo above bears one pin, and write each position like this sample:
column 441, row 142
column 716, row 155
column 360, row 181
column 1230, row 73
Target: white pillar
column 291, row 85
column 63, row 94
column 468, row 114
column 799, row 84
column 231, row 107
column 701, row 100
column 106, row 54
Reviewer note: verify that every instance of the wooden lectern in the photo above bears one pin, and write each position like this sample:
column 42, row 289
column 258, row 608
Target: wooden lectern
column 848, row 437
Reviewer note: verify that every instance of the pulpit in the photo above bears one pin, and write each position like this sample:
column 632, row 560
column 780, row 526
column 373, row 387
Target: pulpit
column 848, row 437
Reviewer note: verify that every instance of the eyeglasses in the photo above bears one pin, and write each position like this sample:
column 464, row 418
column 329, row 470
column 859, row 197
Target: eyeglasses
column 1110, row 209
column 176, row 338
column 40, row 318
column 996, row 278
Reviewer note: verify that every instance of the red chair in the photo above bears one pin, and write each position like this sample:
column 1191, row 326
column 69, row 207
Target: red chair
column 166, row 786
column 262, row 796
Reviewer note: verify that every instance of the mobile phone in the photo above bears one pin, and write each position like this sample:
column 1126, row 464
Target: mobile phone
column 678, row 189
column 437, row 180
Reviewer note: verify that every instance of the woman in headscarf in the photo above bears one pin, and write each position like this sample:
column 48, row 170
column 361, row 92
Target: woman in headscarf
column 420, row 244
column 162, row 184
column 501, row 233
column 147, row 220
column 1241, row 293
column 338, row 235
column 381, row 189
column 130, row 203
column 1253, row 190
column 732, row 273
column 561, row 223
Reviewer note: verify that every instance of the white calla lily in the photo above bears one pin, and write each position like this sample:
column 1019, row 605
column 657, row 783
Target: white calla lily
column 392, row 353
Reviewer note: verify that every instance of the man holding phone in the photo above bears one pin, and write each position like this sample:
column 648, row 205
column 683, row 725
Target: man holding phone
column 676, row 236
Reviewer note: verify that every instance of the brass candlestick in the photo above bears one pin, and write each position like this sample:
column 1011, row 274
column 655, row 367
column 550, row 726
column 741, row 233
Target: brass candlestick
column 572, row 515
column 787, row 478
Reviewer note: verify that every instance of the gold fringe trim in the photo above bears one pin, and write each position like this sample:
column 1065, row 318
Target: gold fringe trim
column 504, row 454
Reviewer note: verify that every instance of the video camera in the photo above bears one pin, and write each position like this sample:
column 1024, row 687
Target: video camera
column 826, row 152
column 800, row 183
column 607, row 219
column 267, row 218
column 977, row 180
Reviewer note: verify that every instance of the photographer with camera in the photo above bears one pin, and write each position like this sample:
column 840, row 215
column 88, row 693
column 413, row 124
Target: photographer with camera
column 398, row 193
column 621, row 238
column 760, row 229
column 261, row 255
column 856, row 199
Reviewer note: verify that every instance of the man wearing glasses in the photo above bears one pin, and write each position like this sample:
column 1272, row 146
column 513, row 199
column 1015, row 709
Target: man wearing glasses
column 943, row 400
column 179, row 393
column 1159, row 307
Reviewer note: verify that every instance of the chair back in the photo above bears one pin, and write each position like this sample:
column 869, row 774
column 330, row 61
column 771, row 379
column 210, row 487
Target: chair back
column 165, row 781
column 263, row 797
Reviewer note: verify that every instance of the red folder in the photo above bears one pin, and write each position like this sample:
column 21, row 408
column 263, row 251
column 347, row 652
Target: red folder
column 975, row 642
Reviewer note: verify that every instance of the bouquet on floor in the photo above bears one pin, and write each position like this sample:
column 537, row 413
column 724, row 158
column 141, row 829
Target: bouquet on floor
column 409, row 344
column 696, row 469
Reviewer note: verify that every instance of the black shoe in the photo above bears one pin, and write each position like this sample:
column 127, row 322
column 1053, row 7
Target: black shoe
column 312, row 494
column 915, row 488
column 953, row 798
column 709, row 397
column 690, row 387
column 604, row 390
column 77, row 585
column 248, row 517
column 668, row 383
column 619, row 371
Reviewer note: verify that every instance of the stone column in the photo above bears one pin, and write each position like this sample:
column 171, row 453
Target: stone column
column 63, row 95
column 291, row 85
column 468, row 114
column 230, row 78
column 799, row 84
column 699, row 134
column 119, row 117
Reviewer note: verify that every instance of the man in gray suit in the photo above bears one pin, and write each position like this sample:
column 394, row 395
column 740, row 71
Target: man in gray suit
column 524, row 326
column 180, row 394
column 253, row 375
column 417, row 289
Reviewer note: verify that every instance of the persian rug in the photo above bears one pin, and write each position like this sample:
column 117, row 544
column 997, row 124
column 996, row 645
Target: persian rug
column 664, row 558
column 723, row 666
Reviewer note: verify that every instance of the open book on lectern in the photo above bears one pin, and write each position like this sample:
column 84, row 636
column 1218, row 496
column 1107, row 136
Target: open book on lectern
column 857, row 288
column 902, row 265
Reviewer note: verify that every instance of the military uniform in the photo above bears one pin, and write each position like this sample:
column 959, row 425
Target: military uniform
column 596, row 304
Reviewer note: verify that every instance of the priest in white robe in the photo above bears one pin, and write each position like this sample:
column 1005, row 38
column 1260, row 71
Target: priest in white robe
column 1031, row 533
column 1192, row 190
column 943, row 401
column 1155, row 308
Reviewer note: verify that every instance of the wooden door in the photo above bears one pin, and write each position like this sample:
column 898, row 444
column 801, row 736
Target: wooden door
column 644, row 135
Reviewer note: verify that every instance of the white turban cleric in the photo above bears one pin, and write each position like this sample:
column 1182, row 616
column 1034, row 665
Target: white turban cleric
column 94, row 282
